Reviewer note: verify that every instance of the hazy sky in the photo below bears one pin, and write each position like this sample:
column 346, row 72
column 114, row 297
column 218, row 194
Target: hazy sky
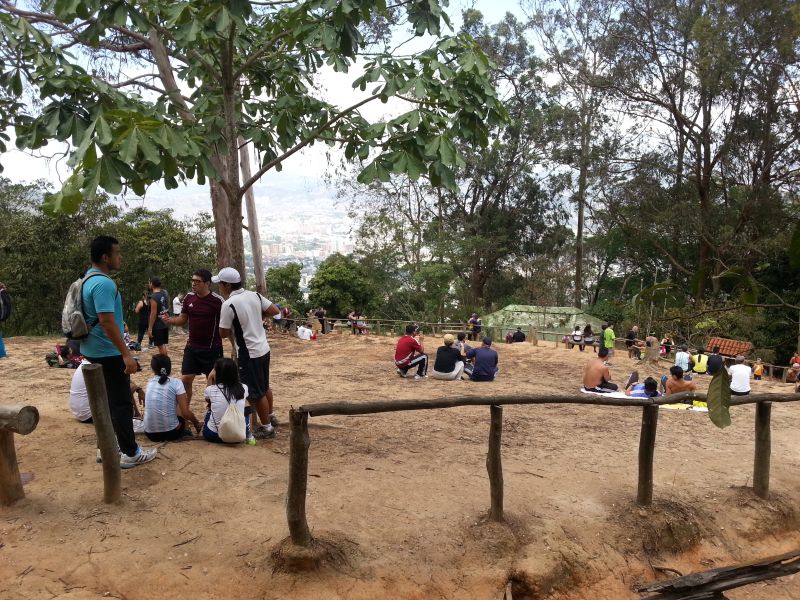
column 303, row 175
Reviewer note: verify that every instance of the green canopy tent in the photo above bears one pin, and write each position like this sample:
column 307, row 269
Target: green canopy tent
column 555, row 320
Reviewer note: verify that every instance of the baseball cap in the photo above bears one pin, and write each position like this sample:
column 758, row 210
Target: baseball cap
column 487, row 341
column 448, row 338
column 227, row 275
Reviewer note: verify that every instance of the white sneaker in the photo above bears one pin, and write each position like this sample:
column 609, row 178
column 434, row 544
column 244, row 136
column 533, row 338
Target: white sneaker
column 420, row 376
column 399, row 372
column 143, row 455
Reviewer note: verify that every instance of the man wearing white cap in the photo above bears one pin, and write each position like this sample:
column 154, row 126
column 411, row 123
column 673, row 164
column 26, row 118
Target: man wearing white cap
column 242, row 316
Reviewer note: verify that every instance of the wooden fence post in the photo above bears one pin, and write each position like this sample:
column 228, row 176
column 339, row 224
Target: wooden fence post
column 298, row 479
column 13, row 419
column 494, row 463
column 763, row 448
column 647, row 444
column 106, row 438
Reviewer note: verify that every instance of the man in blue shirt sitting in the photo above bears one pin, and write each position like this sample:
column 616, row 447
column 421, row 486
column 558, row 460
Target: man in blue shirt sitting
column 485, row 361
column 105, row 346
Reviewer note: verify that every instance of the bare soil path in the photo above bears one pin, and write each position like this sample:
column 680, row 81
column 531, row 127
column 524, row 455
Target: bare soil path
column 401, row 496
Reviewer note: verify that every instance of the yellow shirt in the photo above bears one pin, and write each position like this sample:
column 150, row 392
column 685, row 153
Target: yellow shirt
column 700, row 363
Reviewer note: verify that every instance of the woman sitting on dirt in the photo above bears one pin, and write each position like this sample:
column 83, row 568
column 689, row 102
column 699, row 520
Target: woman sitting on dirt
column 166, row 407
column 588, row 337
column 227, row 390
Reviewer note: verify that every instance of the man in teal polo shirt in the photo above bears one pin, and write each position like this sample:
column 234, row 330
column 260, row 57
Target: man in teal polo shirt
column 102, row 308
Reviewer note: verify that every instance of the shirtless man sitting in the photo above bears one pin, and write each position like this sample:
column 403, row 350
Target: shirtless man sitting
column 676, row 383
column 596, row 377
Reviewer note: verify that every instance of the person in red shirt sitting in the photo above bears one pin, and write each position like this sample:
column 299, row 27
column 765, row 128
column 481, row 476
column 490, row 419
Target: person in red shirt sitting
column 410, row 353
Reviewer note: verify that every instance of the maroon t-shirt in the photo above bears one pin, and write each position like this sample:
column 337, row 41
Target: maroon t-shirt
column 406, row 346
column 203, row 320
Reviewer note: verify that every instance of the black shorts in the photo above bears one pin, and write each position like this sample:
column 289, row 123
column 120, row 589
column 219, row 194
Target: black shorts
column 254, row 373
column 161, row 336
column 197, row 361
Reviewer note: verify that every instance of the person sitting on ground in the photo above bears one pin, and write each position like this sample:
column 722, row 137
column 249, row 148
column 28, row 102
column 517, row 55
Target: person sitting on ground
column 410, row 353
column 226, row 390
column 449, row 363
column 666, row 344
column 635, row 351
column 682, row 358
column 715, row 361
column 518, row 335
column 677, row 382
column 79, row 397
column 485, row 361
column 304, row 332
column 700, row 362
column 630, row 341
column 596, row 377
column 463, row 347
column 758, row 370
column 793, row 376
column 740, row 377
column 509, row 338
column 577, row 338
column 588, row 337
column 648, row 389
column 166, row 407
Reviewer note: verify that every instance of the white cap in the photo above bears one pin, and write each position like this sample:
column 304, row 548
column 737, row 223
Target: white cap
column 227, row 275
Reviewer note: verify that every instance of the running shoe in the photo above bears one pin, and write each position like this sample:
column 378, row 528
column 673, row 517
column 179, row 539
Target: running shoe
column 420, row 376
column 632, row 378
column 143, row 455
column 273, row 420
column 264, row 432
column 400, row 372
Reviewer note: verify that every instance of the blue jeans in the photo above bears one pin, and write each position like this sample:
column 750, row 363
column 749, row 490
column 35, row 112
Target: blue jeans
column 2, row 348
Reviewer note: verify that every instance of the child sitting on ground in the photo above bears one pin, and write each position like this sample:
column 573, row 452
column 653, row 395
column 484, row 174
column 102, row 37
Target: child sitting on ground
column 166, row 407
column 226, row 390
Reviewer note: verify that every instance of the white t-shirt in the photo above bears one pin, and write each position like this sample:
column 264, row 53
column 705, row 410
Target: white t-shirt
column 78, row 396
column 682, row 360
column 219, row 405
column 246, row 322
column 740, row 378
column 304, row 333
column 161, row 405
column 177, row 306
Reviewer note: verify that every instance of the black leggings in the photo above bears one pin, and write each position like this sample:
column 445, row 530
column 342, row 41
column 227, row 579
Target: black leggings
column 168, row 436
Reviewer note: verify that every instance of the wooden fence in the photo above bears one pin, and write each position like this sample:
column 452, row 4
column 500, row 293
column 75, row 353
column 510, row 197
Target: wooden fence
column 299, row 440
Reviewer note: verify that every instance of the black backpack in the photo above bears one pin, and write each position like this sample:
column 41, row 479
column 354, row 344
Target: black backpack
column 5, row 304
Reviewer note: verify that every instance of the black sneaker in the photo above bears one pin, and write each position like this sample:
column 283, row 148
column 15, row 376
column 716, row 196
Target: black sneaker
column 632, row 378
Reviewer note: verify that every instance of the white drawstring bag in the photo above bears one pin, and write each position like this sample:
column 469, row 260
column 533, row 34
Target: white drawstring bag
column 231, row 428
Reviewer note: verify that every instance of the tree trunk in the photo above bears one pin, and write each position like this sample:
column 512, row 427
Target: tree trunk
column 252, row 220
column 581, row 198
column 222, row 230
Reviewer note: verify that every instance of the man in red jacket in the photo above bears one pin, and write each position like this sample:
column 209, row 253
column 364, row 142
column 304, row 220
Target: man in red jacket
column 410, row 353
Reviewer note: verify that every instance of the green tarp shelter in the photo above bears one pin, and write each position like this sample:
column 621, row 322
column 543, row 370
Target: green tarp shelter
column 559, row 319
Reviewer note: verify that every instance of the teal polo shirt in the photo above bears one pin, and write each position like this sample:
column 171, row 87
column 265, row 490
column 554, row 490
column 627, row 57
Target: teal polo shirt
column 100, row 295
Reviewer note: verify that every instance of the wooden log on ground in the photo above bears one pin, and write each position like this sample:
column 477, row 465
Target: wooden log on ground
column 647, row 445
column 19, row 419
column 762, row 450
column 494, row 463
column 106, row 438
column 298, row 479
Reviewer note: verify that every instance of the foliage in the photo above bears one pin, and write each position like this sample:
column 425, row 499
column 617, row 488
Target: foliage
column 719, row 399
column 340, row 285
column 199, row 77
column 284, row 282
column 42, row 254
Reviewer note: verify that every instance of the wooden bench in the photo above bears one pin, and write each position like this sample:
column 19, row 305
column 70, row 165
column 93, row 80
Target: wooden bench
column 13, row 419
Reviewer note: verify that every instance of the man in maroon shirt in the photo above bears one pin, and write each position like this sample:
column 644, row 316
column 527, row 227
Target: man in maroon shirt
column 409, row 353
column 201, row 309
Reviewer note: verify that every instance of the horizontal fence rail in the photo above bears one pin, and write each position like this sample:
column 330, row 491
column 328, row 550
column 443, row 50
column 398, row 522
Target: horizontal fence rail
column 299, row 440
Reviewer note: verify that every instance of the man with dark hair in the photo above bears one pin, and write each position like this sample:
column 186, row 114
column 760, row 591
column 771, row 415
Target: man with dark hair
column 485, row 361
column 105, row 345
column 596, row 377
column 475, row 325
column 715, row 361
column 740, row 377
column 159, row 306
column 201, row 310
column 518, row 336
column 241, row 316
column 410, row 353
column 677, row 383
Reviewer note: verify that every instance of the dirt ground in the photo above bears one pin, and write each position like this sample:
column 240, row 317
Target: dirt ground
column 400, row 497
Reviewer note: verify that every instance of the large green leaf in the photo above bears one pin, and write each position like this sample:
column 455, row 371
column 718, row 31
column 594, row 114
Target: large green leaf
column 719, row 399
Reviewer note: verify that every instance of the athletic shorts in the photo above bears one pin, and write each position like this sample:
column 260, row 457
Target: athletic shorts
column 160, row 336
column 254, row 373
column 199, row 361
